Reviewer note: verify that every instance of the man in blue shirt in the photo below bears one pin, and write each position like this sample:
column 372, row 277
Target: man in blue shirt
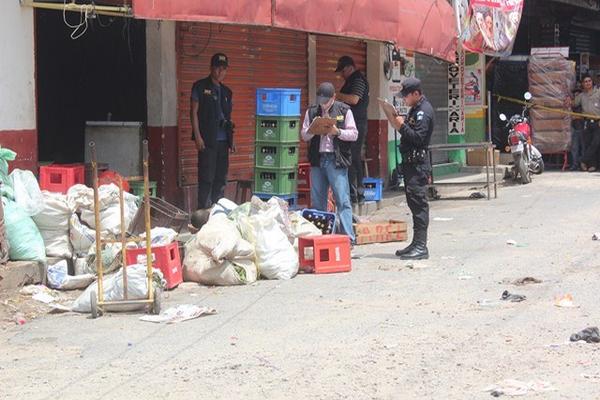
column 212, row 131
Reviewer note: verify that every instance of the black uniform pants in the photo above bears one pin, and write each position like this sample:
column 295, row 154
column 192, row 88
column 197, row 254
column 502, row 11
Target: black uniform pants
column 416, row 179
column 356, row 171
column 213, row 163
column 592, row 150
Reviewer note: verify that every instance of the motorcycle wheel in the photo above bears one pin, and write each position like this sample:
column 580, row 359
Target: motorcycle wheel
column 539, row 168
column 524, row 169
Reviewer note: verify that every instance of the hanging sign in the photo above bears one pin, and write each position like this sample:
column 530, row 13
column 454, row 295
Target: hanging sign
column 456, row 98
column 488, row 26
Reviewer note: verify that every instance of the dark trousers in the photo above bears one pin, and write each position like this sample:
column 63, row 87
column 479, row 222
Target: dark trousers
column 416, row 179
column 356, row 171
column 213, row 164
column 590, row 157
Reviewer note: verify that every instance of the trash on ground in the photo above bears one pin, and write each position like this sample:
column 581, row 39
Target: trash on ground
column 464, row 277
column 513, row 387
column 511, row 242
column 20, row 319
column 137, row 288
column 488, row 303
column 514, row 298
column 589, row 335
column 565, row 301
column 183, row 312
column 443, row 219
column 526, row 281
column 43, row 297
column 59, row 278
column 596, row 236
column 477, row 195
column 218, row 255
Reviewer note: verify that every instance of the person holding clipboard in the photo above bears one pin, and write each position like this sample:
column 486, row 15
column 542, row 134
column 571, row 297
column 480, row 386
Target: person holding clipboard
column 329, row 128
column 415, row 135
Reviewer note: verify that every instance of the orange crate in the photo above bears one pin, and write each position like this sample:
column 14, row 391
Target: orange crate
column 325, row 254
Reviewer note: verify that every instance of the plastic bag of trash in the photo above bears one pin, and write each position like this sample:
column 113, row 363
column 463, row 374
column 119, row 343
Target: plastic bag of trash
column 53, row 223
column 25, row 241
column 137, row 288
column 159, row 237
column 27, row 192
column 59, row 278
column 223, row 206
column 218, row 255
column 302, row 227
column 81, row 237
column 275, row 255
column 6, row 188
column 200, row 267
column 110, row 210
column 112, row 258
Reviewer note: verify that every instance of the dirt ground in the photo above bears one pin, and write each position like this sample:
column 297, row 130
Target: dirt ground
column 435, row 329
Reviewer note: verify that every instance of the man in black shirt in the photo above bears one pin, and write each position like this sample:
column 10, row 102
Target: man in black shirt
column 355, row 93
column 212, row 131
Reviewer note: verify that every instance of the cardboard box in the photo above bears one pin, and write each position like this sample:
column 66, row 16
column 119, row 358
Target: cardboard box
column 380, row 232
column 476, row 157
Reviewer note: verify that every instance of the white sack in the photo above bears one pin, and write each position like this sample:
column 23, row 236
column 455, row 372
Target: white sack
column 53, row 223
column 27, row 192
column 81, row 237
column 59, row 278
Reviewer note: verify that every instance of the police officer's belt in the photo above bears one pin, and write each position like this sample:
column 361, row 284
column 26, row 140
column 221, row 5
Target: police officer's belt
column 414, row 156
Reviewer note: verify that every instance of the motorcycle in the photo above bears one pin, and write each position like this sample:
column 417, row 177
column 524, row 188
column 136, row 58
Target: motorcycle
column 527, row 158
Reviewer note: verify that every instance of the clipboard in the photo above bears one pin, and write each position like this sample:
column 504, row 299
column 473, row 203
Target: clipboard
column 321, row 126
column 389, row 110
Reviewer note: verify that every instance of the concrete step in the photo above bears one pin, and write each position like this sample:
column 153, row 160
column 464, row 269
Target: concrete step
column 16, row 274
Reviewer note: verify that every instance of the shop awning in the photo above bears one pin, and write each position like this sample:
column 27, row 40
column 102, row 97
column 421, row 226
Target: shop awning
column 425, row 26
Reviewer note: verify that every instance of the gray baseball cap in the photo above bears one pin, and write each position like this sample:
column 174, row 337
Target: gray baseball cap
column 325, row 92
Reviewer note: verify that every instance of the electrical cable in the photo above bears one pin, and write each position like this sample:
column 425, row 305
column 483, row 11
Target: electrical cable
column 83, row 22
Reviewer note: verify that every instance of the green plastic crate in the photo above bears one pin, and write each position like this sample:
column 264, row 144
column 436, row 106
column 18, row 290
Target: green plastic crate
column 276, row 155
column 137, row 188
column 277, row 129
column 275, row 181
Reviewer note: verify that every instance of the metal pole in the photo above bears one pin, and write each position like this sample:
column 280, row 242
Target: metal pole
column 487, row 169
column 147, row 221
column 123, row 241
column 489, row 115
column 99, row 265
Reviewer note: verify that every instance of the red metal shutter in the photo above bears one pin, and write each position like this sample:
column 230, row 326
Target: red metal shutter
column 330, row 49
column 258, row 57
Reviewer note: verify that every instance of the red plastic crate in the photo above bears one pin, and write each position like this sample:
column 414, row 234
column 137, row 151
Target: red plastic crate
column 303, row 176
column 59, row 178
column 325, row 254
column 303, row 198
column 166, row 258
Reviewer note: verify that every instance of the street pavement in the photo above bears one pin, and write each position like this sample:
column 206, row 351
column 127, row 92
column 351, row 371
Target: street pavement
column 435, row 329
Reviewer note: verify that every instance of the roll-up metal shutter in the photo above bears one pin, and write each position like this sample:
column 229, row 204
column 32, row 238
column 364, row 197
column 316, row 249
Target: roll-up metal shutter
column 433, row 74
column 258, row 57
column 330, row 49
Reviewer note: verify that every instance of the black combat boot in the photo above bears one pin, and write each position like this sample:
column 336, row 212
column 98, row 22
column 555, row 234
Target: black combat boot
column 418, row 252
column 405, row 250
column 418, row 248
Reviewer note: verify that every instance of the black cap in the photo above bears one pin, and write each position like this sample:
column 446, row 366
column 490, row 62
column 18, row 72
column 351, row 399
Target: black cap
column 325, row 92
column 219, row 60
column 343, row 62
column 410, row 85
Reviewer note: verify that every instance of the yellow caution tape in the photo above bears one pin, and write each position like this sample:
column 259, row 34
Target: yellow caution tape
column 549, row 109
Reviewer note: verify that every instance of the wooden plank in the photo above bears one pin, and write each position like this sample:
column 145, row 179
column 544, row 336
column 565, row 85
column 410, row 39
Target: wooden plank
column 382, row 238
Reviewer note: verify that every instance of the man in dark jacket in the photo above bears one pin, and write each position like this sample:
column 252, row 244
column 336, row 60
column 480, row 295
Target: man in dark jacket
column 415, row 134
column 212, row 131
column 330, row 154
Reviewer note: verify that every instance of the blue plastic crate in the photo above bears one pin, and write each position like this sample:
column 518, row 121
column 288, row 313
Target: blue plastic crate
column 373, row 189
column 278, row 102
column 292, row 199
column 323, row 220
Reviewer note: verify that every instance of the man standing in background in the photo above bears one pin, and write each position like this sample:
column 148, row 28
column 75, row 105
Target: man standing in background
column 355, row 93
column 212, row 131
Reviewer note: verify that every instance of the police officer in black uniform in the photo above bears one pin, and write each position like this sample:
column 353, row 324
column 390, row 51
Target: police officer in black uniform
column 212, row 131
column 415, row 136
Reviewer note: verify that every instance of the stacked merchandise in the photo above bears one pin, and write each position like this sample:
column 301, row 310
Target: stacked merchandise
column 551, row 81
column 277, row 144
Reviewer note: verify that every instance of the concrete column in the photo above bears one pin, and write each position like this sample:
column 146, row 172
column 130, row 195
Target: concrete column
column 161, row 69
column 377, row 137
column 312, row 69
column 17, row 84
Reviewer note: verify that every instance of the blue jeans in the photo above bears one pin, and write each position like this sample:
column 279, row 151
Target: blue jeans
column 328, row 175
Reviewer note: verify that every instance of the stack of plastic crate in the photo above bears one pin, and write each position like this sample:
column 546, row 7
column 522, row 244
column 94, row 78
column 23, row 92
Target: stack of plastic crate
column 277, row 144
